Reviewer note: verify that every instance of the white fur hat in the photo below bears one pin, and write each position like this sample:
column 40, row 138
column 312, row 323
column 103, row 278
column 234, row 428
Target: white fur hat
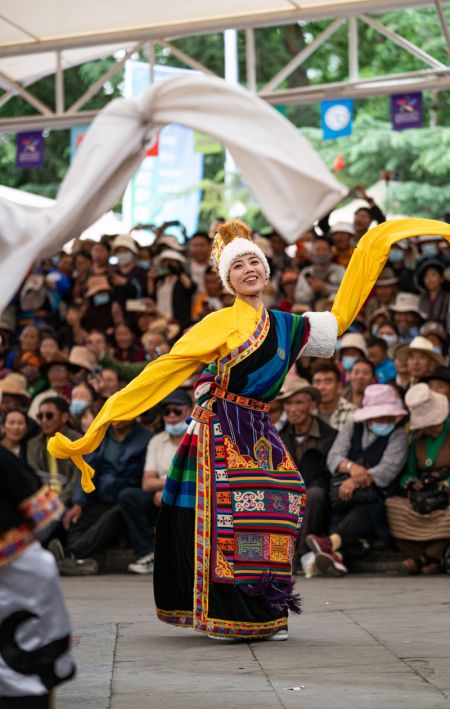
column 232, row 251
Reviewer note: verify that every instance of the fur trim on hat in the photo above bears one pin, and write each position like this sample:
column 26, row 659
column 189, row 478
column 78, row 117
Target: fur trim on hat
column 322, row 335
column 233, row 250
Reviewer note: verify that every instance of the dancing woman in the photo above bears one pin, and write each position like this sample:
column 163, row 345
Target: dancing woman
column 233, row 501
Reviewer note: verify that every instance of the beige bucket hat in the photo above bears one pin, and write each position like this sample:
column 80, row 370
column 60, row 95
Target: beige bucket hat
column 426, row 407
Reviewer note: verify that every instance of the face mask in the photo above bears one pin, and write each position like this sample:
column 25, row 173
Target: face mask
column 429, row 250
column 374, row 329
column 390, row 340
column 124, row 259
column 144, row 263
column 437, row 349
column 101, row 298
column 348, row 362
column 322, row 260
column 176, row 429
column 395, row 256
column 77, row 406
column 381, row 429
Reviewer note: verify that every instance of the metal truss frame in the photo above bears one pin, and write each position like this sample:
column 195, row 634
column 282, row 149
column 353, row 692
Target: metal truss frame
column 434, row 76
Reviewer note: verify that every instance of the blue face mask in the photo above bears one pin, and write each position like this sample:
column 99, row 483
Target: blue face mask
column 101, row 298
column 374, row 329
column 77, row 406
column 176, row 429
column 144, row 263
column 396, row 256
column 429, row 250
column 381, row 429
column 348, row 361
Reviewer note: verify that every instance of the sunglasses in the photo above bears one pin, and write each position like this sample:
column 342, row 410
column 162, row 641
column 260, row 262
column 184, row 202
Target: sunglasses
column 47, row 415
column 177, row 410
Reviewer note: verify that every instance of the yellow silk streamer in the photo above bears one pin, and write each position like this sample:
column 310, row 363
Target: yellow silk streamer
column 368, row 260
column 222, row 331
column 216, row 335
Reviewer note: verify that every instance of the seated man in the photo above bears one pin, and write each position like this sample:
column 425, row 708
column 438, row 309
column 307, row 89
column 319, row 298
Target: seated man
column 333, row 408
column 140, row 506
column 421, row 359
column 94, row 522
column 308, row 440
column 61, row 475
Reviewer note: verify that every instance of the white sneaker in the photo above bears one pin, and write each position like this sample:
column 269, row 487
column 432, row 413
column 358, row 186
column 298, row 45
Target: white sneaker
column 281, row 635
column 144, row 565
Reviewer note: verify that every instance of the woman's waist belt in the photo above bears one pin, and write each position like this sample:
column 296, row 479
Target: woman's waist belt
column 238, row 399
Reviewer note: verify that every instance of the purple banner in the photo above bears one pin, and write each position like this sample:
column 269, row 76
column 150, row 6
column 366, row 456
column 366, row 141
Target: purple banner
column 30, row 149
column 406, row 111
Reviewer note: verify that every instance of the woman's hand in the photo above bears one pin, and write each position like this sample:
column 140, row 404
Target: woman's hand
column 360, row 475
column 356, row 470
column 346, row 489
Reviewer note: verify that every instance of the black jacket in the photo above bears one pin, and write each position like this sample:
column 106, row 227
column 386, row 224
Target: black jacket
column 313, row 462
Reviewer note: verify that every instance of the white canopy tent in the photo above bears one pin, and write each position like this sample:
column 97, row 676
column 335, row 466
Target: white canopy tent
column 47, row 37
column 109, row 223
column 58, row 24
column 281, row 169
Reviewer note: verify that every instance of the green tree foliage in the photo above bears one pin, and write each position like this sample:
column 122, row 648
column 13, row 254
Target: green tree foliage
column 419, row 160
column 418, row 156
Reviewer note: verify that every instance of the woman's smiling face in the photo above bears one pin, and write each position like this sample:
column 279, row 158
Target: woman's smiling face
column 247, row 275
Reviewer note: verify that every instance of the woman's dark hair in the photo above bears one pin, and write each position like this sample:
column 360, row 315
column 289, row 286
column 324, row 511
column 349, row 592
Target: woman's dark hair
column 202, row 235
column 128, row 325
column 93, row 409
column 16, row 410
column 90, row 389
column 378, row 342
column 82, row 252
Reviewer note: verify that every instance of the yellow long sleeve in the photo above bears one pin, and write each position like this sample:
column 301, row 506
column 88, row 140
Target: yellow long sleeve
column 216, row 334
column 368, row 260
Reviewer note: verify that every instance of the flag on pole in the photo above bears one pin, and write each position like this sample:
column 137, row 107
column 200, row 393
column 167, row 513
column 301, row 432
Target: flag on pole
column 337, row 118
column 407, row 111
column 30, row 149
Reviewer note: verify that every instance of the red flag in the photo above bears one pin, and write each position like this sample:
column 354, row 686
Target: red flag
column 339, row 163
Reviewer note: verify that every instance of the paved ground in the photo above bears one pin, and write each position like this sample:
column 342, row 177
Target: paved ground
column 362, row 642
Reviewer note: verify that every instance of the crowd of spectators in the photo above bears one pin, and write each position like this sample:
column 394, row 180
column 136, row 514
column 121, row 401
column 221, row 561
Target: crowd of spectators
column 369, row 430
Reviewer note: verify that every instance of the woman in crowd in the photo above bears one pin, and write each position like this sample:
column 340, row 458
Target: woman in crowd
column 362, row 374
column 15, row 432
column 126, row 349
column 434, row 301
column 240, row 585
column 364, row 460
column 423, row 537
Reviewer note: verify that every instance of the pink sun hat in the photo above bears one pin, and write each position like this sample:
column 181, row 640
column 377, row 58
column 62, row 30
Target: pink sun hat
column 379, row 400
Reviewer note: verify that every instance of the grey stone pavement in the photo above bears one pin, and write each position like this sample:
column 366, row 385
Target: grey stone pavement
column 362, row 641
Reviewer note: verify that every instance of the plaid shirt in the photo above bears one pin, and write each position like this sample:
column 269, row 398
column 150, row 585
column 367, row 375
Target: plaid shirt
column 342, row 413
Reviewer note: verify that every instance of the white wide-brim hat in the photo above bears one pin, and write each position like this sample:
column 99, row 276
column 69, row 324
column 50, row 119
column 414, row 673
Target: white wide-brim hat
column 427, row 408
